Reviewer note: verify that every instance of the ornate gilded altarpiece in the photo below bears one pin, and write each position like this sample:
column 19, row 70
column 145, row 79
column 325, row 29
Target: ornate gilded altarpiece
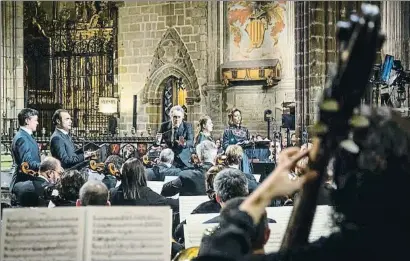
column 70, row 51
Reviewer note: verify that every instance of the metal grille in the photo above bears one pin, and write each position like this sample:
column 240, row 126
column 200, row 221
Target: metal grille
column 70, row 61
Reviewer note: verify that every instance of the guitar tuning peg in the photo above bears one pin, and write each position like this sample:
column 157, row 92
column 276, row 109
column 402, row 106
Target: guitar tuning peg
column 359, row 121
column 350, row 146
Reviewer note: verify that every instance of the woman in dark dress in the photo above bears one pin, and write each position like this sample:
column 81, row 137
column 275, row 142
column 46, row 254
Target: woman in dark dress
column 134, row 191
column 237, row 134
column 205, row 127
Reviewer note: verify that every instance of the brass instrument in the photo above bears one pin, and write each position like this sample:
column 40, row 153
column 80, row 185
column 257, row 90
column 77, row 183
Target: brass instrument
column 25, row 168
column 187, row 254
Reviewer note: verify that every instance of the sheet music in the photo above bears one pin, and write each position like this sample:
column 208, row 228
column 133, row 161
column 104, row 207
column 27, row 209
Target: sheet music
column 257, row 177
column 49, row 234
column 280, row 214
column 156, row 186
column 200, row 218
column 277, row 231
column 128, row 233
column 169, row 178
column 193, row 233
column 188, row 203
column 322, row 223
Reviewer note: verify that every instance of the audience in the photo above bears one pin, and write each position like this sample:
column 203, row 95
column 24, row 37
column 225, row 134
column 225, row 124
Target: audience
column 164, row 168
column 93, row 193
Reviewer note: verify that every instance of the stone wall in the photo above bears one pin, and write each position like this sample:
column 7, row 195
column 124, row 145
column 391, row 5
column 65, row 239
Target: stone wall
column 12, row 82
column 142, row 25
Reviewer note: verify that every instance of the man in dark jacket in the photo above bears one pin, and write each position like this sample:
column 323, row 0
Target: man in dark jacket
column 179, row 137
column 164, row 168
column 24, row 147
column 61, row 144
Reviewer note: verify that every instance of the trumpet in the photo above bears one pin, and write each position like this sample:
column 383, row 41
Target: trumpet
column 25, row 168
column 187, row 254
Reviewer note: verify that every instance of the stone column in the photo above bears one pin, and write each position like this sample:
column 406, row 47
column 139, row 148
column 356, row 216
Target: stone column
column 395, row 24
column 213, row 89
column 12, row 55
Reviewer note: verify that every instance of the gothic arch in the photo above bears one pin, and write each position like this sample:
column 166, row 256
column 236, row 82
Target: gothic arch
column 171, row 58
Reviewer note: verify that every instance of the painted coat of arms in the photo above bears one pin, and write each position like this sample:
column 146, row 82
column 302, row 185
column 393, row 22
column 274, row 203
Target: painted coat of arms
column 255, row 29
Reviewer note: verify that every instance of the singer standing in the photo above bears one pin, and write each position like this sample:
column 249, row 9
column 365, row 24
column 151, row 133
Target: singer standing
column 61, row 145
column 179, row 137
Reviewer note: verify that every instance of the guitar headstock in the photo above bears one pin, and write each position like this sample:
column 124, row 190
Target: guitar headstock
column 359, row 40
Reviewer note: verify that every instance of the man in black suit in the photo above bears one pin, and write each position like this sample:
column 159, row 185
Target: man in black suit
column 164, row 168
column 179, row 137
column 24, row 147
column 61, row 144
column 31, row 193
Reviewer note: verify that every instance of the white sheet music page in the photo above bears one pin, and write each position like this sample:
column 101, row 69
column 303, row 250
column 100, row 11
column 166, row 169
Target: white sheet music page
column 156, row 186
column 42, row 234
column 193, row 233
column 280, row 214
column 277, row 231
column 322, row 225
column 128, row 233
column 257, row 177
column 169, row 178
column 188, row 203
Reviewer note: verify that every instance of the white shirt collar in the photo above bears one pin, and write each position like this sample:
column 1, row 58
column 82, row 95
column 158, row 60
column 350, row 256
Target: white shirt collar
column 30, row 132
column 63, row 131
column 167, row 164
column 234, row 166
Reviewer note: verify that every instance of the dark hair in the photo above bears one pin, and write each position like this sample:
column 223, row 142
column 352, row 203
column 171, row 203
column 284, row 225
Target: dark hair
column 209, row 180
column 202, row 122
column 70, row 184
column 230, row 183
column 57, row 116
column 132, row 178
column 258, row 238
column 26, row 114
column 230, row 115
column 372, row 186
column 114, row 159
column 93, row 193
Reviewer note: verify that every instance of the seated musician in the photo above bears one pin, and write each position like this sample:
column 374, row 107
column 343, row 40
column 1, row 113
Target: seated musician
column 109, row 180
column 32, row 193
column 178, row 136
column 371, row 225
column 61, row 144
column 163, row 168
column 205, row 127
column 236, row 134
column 68, row 188
column 133, row 190
column 191, row 182
column 234, row 154
column 93, row 193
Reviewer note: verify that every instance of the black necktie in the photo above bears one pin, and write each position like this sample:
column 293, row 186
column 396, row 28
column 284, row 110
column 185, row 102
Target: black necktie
column 175, row 133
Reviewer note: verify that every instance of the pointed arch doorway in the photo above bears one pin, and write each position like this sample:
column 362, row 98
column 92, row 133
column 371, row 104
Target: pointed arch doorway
column 175, row 93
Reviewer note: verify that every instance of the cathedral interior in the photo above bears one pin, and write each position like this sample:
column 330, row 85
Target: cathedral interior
column 118, row 67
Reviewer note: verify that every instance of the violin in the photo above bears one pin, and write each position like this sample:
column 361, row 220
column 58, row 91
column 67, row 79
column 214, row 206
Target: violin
column 99, row 167
column 25, row 168
column 187, row 254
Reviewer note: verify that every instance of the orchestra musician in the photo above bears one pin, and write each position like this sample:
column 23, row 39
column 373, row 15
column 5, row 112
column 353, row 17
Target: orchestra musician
column 179, row 137
column 24, row 147
column 205, row 127
column 236, row 134
column 61, row 144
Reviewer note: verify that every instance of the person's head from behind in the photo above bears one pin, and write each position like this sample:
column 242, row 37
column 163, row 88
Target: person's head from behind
column 262, row 231
column 70, row 184
column 207, row 151
column 93, row 193
column 132, row 178
column 28, row 118
column 209, row 180
column 372, row 185
column 234, row 154
column 230, row 183
column 177, row 114
column 51, row 169
column 113, row 161
column 166, row 156
column 62, row 119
